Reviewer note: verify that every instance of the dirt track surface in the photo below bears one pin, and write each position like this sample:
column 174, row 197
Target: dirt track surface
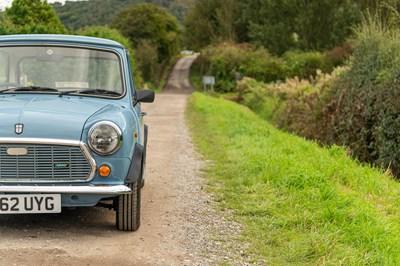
column 177, row 216
column 178, row 80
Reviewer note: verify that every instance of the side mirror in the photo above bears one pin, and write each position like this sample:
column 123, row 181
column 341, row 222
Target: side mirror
column 145, row 96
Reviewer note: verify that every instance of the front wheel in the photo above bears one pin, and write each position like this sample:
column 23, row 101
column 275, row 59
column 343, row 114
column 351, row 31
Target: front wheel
column 128, row 209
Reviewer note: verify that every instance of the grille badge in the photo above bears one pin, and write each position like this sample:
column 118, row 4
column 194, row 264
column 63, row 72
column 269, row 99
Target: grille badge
column 19, row 128
column 61, row 165
column 17, row 151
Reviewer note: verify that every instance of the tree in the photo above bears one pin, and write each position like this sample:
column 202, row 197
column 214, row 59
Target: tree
column 146, row 56
column 34, row 13
column 113, row 34
column 278, row 25
column 310, row 25
column 270, row 23
column 324, row 24
column 211, row 21
column 79, row 14
column 150, row 24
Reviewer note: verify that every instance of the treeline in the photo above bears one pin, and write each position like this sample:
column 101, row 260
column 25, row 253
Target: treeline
column 279, row 25
column 80, row 14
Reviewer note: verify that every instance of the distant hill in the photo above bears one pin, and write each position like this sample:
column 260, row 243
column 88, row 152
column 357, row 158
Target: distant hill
column 75, row 15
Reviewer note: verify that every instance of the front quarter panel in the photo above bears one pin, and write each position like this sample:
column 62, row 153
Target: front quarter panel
column 120, row 161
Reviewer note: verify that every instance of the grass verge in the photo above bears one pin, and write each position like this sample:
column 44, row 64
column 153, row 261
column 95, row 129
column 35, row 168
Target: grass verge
column 300, row 204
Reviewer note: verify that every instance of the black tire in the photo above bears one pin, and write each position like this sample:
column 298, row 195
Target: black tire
column 128, row 209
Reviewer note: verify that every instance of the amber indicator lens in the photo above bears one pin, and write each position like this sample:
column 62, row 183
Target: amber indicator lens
column 104, row 170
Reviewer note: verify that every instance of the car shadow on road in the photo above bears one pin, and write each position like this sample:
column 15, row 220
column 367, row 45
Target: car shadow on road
column 82, row 220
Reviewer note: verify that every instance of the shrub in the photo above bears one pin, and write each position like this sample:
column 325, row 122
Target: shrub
column 301, row 106
column 221, row 61
column 367, row 98
column 303, row 64
column 260, row 65
column 337, row 56
column 225, row 61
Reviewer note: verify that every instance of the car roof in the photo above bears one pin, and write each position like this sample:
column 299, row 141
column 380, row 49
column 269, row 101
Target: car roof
column 57, row 38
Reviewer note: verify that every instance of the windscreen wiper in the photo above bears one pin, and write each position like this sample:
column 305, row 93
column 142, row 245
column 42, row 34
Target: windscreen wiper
column 35, row 88
column 1, row 91
column 8, row 84
column 29, row 88
column 91, row 91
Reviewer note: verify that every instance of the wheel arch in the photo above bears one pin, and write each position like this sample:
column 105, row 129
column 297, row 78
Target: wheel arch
column 135, row 169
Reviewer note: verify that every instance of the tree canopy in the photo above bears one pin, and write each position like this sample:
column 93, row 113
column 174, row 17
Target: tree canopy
column 113, row 34
column 278, row 25
column 34, row 13
column 211, row 21
column 152, row 24
column 75, row 15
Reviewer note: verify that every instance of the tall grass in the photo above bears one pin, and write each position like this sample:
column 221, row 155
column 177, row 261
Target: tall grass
column 300, row 204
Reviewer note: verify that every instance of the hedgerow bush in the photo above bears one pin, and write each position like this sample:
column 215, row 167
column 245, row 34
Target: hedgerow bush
column 223, row 62
column 300, row 106
column 367, row 98
column 227, row 61
column 261, row 65
column 360, row 108
column 303, row 64
column 337, row 56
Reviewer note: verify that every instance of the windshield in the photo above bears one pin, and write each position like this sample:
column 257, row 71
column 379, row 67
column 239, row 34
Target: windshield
column 64, row 69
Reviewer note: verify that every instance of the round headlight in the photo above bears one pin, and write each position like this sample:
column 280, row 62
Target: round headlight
column 105, row 138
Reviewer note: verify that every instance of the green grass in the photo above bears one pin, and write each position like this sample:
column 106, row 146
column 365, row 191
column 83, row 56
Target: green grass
column 195, row 77
column 300, row 204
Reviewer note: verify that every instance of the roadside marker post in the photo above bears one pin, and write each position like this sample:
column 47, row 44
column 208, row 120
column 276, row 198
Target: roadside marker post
column 208, row 81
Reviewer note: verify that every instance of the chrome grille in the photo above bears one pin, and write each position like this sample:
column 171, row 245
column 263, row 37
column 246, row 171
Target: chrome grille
column 44, row 163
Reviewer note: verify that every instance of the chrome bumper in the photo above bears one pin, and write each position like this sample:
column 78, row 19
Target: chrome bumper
column 102, row 190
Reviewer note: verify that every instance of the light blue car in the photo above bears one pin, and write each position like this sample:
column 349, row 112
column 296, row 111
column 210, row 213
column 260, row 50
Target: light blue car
column 71, row 127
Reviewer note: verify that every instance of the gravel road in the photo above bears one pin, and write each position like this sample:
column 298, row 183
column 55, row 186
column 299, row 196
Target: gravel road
column 179, row 223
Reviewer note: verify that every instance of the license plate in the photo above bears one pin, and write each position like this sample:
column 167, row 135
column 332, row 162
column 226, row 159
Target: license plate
column 31, row 203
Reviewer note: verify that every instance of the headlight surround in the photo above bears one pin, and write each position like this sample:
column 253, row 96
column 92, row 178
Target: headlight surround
column 105, row 138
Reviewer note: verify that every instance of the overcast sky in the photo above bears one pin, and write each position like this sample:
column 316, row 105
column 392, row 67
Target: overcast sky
column 7, row 3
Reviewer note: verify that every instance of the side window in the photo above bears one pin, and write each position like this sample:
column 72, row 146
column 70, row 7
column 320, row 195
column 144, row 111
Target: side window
column 3, row 67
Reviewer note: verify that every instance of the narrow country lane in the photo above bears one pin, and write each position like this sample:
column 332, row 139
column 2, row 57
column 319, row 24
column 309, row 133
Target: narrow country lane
column 178, row 81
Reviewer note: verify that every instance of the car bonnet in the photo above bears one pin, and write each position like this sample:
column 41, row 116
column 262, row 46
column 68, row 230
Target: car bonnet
column 45, row 116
